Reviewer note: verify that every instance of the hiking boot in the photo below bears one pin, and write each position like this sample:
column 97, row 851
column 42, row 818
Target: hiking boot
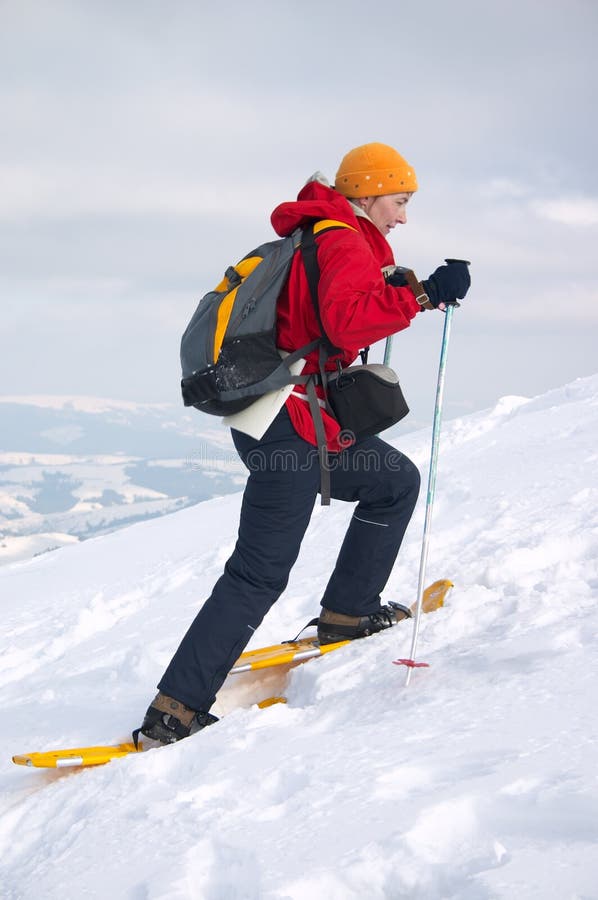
column 333, row 626
column 168, row 720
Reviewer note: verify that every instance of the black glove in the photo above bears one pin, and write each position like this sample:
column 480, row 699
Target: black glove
column 448, row 283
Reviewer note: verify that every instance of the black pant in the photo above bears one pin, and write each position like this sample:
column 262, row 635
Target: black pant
column 277, row 505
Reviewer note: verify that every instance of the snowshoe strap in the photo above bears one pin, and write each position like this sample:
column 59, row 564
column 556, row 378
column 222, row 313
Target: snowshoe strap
column 309, row 625
column 404, row 609
column 314, row 622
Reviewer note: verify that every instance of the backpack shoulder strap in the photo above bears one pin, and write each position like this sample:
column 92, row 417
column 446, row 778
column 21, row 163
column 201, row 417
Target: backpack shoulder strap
column 328, row 225
column 309, row 253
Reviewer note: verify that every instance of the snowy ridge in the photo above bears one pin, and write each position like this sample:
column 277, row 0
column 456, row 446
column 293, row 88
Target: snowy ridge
column 80, row 403
column 73, row 467
column 478, row 781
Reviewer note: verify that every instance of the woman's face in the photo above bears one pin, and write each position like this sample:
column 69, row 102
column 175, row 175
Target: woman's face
column 386, row 211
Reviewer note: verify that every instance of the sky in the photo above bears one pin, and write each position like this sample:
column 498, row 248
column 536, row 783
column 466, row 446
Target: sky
column 143, row 146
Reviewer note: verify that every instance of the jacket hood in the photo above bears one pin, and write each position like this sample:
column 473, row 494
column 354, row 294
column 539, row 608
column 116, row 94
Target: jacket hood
column 315, row 201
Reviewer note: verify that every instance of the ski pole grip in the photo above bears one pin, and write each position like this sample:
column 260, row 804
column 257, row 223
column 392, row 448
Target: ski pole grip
column 449, row 261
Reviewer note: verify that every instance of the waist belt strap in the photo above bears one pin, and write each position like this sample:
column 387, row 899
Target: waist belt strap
column 316, row 414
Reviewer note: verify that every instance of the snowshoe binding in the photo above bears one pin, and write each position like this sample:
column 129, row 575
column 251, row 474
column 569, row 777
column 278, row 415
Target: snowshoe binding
column 168, row 720
column 333, row 626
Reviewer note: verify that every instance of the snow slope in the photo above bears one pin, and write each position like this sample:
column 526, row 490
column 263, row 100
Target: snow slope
column 477, row 781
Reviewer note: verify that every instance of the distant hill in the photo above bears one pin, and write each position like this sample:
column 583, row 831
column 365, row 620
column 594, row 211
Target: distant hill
column 74, row 467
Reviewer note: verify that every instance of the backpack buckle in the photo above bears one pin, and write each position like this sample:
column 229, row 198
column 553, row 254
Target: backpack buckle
column 234, row 279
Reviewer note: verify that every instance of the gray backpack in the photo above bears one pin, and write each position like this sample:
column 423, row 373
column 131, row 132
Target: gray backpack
column 229, row 356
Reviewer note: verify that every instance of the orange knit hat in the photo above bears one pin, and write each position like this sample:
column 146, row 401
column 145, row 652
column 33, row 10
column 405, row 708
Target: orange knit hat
column 372, row 170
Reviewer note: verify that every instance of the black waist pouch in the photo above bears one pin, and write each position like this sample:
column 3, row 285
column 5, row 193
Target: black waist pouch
column 366, row 399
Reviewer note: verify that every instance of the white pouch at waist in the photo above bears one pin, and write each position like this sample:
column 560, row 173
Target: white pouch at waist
column 257, row 418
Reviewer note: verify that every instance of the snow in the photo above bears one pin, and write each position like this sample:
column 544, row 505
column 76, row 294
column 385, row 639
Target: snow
column 17, row 548
column 477, row 781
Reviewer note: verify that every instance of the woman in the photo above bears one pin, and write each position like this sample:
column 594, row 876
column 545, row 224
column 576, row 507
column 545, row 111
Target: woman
column 362, row 299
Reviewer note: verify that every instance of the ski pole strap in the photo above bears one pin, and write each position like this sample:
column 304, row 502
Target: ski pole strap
column 417, row 288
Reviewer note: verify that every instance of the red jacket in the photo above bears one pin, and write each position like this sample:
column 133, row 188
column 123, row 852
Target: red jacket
column 357, row 307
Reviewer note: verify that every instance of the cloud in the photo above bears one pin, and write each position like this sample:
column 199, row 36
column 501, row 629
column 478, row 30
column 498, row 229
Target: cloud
column 61, row 191
column 135, row 166
column 501, row 188
column 543, row 306
column 576, row 211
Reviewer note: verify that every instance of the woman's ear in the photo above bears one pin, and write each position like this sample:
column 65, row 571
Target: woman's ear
column 364, row 203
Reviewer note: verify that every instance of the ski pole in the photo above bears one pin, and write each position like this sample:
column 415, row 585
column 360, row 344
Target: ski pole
column 387, row 349
column 431, row 486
